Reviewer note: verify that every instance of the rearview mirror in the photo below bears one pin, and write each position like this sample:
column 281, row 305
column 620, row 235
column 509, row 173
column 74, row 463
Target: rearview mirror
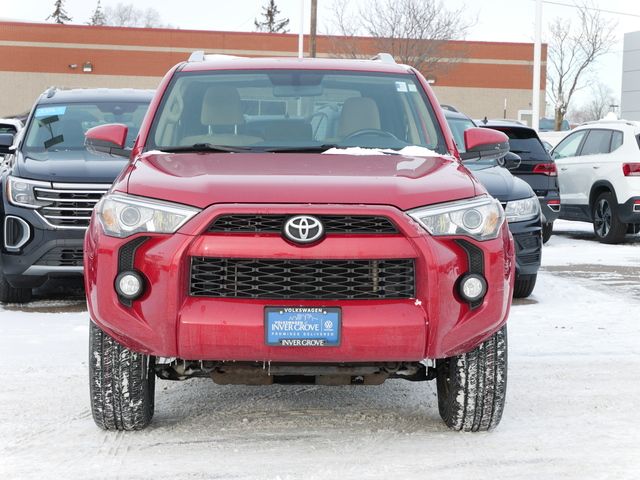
column 6, row 141
column 510, row 161
column 108, row 139
column 484, row 144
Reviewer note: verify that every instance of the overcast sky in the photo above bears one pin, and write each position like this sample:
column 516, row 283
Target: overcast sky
column 497, row 20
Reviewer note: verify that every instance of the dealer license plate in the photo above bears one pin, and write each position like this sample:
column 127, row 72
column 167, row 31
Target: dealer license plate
column 302, row 326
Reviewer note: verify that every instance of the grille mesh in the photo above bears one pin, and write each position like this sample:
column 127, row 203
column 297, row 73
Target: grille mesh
column 62, row 257
column 345, row 224
column 302, row 279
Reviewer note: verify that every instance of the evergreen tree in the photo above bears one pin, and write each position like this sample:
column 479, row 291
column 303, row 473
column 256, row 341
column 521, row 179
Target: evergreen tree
column 270, row 23
column 59, row 14
column 98, row 17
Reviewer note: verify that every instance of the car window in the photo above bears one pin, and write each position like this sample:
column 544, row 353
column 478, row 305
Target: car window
column 458, row 126
column 597, row 142
column 7, row 128
column 524, row 142
column 295, row 109
column 60, row 127
column 569, row 146
column 616, row 140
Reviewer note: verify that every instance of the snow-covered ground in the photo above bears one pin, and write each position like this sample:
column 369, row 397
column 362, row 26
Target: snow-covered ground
column 572, row 407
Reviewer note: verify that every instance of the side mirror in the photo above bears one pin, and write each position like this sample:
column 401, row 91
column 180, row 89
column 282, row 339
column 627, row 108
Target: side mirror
column 6, row 142
column 510, row 161
column 109, row 139
column 484, row 144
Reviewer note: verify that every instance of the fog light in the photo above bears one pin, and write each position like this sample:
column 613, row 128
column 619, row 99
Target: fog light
column 473, row 287
column 129, row 285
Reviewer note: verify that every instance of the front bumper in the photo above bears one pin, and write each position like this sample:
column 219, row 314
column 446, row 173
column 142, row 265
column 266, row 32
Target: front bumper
column 527, row 237
column 166, row 321
column 45, row 253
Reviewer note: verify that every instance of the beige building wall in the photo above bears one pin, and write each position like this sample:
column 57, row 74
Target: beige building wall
column 21, row 89
column 480, row 102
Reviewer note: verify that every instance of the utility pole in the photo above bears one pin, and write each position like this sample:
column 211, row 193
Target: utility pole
column 301, row 32
column 537, row 47
column 314, row 24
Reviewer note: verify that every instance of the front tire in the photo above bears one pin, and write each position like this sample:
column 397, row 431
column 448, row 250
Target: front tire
column 606, row 223
column 524, row 285
column 547, row 231
column 472, row 386
column 122, row 383
column 10, row 294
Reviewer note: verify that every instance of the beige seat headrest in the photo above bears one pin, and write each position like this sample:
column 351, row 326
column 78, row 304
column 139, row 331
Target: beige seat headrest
column 221, row 106
column 358, row 113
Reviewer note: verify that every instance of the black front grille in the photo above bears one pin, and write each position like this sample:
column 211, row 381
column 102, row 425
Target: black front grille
column 243, row 223
column 302, row 279
column 62, row 257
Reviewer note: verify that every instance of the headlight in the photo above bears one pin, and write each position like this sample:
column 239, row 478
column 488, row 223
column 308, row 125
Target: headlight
column 521, row 210
column 479, row 218
column 20, row 192
column 123, row 215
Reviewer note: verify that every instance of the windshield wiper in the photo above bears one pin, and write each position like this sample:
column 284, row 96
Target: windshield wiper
column 206, row 147
column 301, row 149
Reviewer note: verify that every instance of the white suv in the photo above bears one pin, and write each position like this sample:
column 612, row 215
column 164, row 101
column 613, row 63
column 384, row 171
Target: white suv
column 599, row 176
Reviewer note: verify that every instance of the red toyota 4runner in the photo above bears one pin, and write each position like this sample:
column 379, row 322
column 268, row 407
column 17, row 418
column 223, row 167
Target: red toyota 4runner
column 297, row 221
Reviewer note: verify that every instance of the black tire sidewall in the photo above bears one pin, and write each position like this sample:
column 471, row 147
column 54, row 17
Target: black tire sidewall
column 617, row 229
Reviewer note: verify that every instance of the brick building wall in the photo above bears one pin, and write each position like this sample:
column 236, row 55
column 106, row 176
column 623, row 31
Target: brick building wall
column 477, row 77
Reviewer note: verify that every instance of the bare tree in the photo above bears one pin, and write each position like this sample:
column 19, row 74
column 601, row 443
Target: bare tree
column 59, row 14
column 271, row 23
column 413, row 31
column 573, row 49
column 97, row 18
column 600, row 103
column 127, row 15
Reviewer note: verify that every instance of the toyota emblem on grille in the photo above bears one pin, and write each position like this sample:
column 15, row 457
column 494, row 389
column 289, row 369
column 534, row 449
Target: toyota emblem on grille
column 303, row 229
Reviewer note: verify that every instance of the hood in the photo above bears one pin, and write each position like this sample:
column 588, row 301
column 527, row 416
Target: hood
column 69, row 166
column 201, row 179
column 501, row 184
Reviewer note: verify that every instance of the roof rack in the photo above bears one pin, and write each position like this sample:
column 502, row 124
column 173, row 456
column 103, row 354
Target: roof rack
column 617, row 121
column 201, row 56
column 384, row 58
column 51, row 91
column 451, row 108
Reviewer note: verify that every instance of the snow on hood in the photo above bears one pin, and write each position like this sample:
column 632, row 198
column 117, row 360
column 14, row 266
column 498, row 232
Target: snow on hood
column 410, row 151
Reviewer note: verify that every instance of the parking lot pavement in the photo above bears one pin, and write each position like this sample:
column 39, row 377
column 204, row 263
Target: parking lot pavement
column 574, row 381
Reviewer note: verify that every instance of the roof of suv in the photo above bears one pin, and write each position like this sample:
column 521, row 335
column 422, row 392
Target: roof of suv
column 503, row 125
column 81, row 95
column 225, row 62
column 608, row 123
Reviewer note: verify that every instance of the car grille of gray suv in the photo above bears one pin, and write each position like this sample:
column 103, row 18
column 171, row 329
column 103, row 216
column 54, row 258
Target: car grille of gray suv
column 69, row 205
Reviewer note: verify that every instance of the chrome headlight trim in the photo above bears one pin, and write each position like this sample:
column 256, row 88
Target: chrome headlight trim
column 479, row 218
column 523, row 209
column 145, row 215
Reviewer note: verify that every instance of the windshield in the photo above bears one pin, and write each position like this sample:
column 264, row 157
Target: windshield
column 61, row 127
column 294, row 110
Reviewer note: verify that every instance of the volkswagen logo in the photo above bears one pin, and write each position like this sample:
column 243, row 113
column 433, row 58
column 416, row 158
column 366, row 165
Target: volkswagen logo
column 303, row 229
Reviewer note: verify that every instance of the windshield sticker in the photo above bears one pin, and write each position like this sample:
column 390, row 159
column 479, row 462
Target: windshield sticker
column 412, row 87
column 50, row 111
column 401, row 87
